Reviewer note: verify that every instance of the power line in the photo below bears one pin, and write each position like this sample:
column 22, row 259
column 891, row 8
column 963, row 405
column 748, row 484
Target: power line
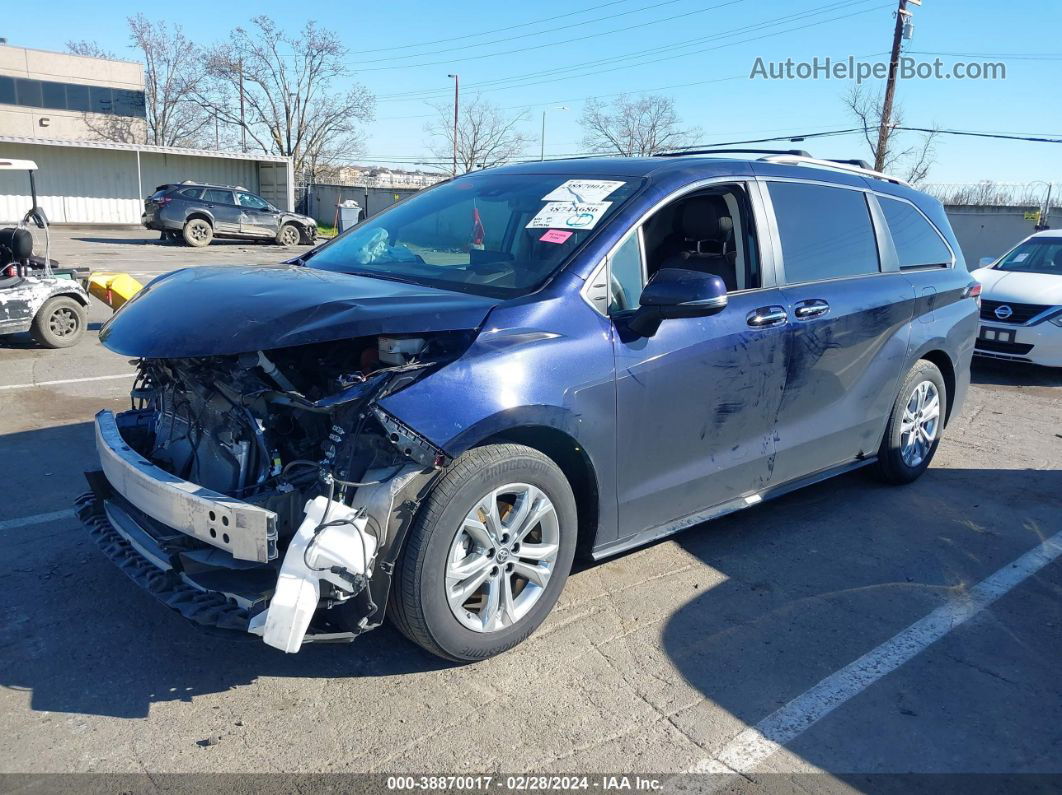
column 392, row 47
column 536, row 46
column 1023, row 56
column 792, row 137
column 547, row 30
column 637, row 53
column 517, row 81
column 977, row 134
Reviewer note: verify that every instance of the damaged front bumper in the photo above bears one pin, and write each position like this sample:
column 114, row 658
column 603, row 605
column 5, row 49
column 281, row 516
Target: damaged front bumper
column 214, row 559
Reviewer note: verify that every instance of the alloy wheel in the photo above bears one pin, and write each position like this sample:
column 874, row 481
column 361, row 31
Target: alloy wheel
column 918, row 427
column 502, row 557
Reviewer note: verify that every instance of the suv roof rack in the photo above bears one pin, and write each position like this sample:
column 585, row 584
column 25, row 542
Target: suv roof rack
column 682, row 152
column 852, row 166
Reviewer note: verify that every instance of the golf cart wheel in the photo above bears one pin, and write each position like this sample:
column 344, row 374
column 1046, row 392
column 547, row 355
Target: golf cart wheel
column 60, row 323
column 198, row 233
column 289, row 235
column 487, row 555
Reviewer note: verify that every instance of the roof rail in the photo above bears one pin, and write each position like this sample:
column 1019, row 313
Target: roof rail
column 855, row 161
column 682, row 152
column 840, row 165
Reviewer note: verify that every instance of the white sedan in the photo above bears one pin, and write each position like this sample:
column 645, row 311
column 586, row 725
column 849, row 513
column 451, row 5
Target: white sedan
column 1021, row 302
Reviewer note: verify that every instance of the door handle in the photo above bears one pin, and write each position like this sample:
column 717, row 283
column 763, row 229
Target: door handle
column 813, row 307
column 767, row 316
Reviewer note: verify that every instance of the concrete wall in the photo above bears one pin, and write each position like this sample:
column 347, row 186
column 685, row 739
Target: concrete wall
column 17, row 120
column 101, row 186
column 991, row 231
column 322, row 200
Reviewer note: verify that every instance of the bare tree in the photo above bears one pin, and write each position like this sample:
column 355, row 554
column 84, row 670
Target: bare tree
column 911, row 156
column 486, row 136
column 172, row 69
column 634, row 127
column 88, row 48
column 288, row 85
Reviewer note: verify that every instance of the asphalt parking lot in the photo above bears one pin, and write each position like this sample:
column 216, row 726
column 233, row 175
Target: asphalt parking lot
column 657, row 661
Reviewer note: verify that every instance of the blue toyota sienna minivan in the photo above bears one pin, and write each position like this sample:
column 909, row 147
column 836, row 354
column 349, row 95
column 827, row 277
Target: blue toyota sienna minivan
column 428, row 416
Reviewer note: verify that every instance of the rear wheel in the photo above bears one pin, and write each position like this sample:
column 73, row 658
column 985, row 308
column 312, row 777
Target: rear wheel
column 289, row 235
column 488, row 554
column 198, row 233
column 915, row 425
column 60, row 323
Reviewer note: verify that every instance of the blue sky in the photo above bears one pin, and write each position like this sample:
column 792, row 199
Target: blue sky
column 400, row 47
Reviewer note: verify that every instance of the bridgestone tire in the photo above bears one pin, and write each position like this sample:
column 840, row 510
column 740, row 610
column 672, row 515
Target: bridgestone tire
column 418, row 603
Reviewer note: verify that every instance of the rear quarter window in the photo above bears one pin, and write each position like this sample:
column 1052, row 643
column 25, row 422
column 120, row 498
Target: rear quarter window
column 826, row 233
column 917, row 243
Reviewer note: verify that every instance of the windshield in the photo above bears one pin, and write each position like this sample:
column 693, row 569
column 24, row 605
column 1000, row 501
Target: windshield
column 499, row 235
column 1036, row 255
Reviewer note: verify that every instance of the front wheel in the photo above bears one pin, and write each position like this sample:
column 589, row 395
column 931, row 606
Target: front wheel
column 288, row 235
column 915, row 425
column 488, row 554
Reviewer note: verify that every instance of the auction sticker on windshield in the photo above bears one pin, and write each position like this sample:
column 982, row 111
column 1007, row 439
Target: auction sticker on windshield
column 569, row 215
column 583, row 190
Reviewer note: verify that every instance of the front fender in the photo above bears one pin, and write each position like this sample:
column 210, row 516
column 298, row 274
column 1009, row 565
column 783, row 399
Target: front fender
column 543, row 364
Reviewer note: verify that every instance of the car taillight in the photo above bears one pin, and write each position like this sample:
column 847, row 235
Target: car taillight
column 974, row 292
column 161, row 200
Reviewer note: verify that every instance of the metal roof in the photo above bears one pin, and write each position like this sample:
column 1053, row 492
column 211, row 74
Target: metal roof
column 147, row 148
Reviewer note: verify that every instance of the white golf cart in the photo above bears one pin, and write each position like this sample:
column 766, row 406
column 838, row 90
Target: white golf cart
column 35, row 296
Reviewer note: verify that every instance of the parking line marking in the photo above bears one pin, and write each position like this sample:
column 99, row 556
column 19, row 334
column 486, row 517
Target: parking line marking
column 68, row 381
column 41, row 518
column 752, row 746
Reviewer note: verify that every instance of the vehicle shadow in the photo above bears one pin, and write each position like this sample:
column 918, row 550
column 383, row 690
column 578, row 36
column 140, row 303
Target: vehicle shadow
column 809, row 583
column 24, row 341
column 989, row 371
column 155, row 241
column 82, row 638
column 804, row 585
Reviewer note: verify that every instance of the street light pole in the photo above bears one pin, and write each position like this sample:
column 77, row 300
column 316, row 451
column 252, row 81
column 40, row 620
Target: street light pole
column 542, row 149
column 457, row 97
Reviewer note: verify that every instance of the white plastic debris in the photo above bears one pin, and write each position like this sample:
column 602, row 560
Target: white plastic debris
column 346, row 545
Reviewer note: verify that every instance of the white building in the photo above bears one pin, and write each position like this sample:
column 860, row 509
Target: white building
column 55, row 109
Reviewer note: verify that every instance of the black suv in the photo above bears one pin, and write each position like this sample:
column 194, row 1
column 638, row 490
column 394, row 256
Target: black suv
column 199, row 213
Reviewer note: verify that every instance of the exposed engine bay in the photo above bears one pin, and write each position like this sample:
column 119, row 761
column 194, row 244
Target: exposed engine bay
column 294, row 431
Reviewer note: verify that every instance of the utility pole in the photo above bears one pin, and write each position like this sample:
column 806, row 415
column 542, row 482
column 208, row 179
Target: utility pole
column 457, row 96
column 884, row 130
column 243, row 124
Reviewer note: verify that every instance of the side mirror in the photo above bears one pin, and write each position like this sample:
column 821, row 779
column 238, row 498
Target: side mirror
column 985, row 262
column 675, row 293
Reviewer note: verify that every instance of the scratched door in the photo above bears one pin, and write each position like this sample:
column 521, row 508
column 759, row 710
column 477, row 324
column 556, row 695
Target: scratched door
column 696, row 409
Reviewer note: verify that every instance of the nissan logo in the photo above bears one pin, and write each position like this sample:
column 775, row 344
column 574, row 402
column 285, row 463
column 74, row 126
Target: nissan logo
column 1003, row 311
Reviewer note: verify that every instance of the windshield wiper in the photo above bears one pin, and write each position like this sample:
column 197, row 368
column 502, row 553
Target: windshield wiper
column 386, row 276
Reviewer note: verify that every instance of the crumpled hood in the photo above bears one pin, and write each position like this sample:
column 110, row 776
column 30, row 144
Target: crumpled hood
column 223, row 310
column 1019, row 288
